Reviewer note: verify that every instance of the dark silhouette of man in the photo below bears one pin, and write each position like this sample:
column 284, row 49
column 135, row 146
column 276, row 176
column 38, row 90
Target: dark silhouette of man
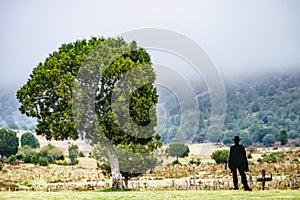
column 238, row 161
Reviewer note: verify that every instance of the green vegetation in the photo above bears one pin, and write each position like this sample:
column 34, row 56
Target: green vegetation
column 30, row 140
column 151, row 195
column 283, row 137
column 47, row 154
column 220, row 156
column 73, row 154
column 178, row 149
column 257, row 106
column 105, row 78
column 132, row 164
column 9, row 143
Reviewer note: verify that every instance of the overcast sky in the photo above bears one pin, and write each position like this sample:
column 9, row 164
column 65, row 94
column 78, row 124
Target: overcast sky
column 239, row 36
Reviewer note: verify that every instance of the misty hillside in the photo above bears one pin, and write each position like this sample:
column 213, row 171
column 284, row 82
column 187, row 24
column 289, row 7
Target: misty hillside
column 10, row 117
column 256, row 107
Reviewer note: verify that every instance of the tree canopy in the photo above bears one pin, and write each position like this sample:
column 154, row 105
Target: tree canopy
column 178, row 149
column 101, row 89
column 30, row 140
column 9, row 143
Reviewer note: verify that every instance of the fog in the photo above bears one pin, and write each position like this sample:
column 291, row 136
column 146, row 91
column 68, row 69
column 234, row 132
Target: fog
column 240, row 37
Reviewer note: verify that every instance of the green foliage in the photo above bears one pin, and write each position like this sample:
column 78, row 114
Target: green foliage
column 1, row 165
column 220, row 156
column 30, row 140
column 132, row 162
column 283, row 137
column 20, row 156
column 268, row 140
column 12, row 159
column 47, row 154
column 246, row 139
column 52, row 153
column 195, row 162
column 176, row 162
column 81, row 154
column 9, row 142
column 259, row 106
column 269, row 158
column 73, row 154
column 178, row 149
column 42, row 161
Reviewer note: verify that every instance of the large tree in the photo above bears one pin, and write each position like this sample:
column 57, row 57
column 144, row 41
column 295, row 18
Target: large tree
column 9, row 143
column 101, row 89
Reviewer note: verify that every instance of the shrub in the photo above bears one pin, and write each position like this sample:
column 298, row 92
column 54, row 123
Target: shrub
column 20, row 156
column 269, row 158
column 220, row 156
column 295, row 160
column 73, row 154
column 81, row 154
column 249, row 155
column 12, row 159
column 35, row 158
column 52, row 153
column 1, row 165
column 176, row 162
column 196, row 162
column 42, row 161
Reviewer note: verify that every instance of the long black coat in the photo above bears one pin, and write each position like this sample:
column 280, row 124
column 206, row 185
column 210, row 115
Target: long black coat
column 237, row 158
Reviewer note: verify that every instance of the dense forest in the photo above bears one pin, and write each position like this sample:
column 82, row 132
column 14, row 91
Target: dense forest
column 258, row 108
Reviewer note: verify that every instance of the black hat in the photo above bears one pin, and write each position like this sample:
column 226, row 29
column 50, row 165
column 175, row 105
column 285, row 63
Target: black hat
column 236, row 138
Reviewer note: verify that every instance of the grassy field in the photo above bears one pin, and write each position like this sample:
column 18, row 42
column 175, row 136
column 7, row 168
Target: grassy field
column 151, row 195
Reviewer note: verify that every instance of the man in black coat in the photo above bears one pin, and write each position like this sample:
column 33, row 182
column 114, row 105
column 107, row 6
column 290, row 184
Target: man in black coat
column 238, row 160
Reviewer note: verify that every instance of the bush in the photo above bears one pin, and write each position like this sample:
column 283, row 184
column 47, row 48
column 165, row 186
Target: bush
column 30, row 140
column 12, row 159
column 1, row 165
column 296, row 160
column 196, row 162
column 52, row 153
column 270, row 158
column 20, row 156
column 73, row 154
column 35, row 158
column 176, row 162
column 81, row 154
column 220, row 156
column 43, row 161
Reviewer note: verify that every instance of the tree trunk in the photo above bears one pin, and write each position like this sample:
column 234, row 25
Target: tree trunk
column 117, row 181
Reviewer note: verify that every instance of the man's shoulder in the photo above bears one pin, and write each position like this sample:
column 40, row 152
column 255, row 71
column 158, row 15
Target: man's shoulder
column 239, row 146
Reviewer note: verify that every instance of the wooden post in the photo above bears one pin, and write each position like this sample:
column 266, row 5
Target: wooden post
column 263, row 179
